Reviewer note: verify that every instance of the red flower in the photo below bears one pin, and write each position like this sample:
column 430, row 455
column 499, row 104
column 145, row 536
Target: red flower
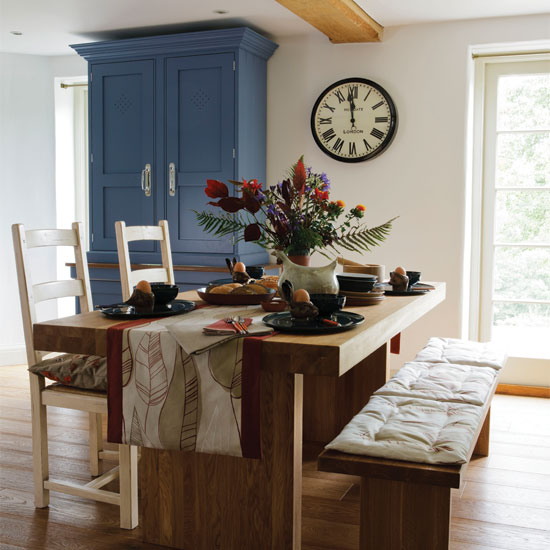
column 216, row 189
column 299, row 178
column 360, row 207
column 253, row 185
column 341, row 204
column 320, row 195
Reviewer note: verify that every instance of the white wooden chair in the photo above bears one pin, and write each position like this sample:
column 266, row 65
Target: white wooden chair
column 162, row 274
column 57, row 395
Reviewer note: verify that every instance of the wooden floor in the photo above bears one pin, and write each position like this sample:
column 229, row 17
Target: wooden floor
column 505, row 502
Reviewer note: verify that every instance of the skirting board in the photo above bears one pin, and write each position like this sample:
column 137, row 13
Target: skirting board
column 12, row 355
column 527, row 391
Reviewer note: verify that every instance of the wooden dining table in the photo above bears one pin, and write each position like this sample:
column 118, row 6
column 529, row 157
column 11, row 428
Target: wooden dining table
column 311, row 386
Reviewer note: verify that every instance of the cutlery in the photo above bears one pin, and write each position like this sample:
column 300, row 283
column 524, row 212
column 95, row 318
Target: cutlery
column 242, row 322
column 232, row 321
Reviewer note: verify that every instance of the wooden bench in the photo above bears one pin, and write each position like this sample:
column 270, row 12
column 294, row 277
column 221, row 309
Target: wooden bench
column 406, row 505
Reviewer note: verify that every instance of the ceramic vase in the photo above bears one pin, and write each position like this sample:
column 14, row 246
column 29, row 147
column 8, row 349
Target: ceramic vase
column 316, row 280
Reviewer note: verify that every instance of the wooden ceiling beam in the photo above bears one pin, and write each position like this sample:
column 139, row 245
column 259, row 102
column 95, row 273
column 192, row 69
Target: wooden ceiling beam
column 343, row 21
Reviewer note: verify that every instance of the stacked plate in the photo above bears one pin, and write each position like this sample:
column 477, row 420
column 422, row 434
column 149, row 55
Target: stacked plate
column 359, row 289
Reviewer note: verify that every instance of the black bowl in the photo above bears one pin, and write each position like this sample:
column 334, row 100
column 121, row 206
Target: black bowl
column 328, row 303
column 414, row 277
column 255, row 271
column 356, row 282
column 164, row 293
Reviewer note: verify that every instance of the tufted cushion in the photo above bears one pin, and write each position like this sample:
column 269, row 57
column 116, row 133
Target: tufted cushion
column 441, row 382
column 461, row 352
column 417, row 430
column 80, row 371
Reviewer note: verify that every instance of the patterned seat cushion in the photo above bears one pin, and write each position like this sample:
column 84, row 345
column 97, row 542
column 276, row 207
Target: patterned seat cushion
column 416, row 430
column 441, row 382
column 461, row 352
column 80, row 371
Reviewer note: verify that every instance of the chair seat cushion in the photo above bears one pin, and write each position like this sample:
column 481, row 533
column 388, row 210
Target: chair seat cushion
column 461, row 352
column 416, row 430
column 80, row 371
column 441, row 382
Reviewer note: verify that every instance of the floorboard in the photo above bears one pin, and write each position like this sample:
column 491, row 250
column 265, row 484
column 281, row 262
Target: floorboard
column 504, row 504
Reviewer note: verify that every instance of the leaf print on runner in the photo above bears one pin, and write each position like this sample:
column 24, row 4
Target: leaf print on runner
column 136, row 431
column 151, row 377
column 127, row 359
column 189, row 424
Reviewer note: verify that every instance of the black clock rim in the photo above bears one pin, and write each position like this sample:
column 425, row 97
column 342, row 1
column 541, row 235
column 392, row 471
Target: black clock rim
column 387, row 140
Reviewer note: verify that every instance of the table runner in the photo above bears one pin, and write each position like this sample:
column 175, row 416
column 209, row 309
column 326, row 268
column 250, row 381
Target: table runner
column 163, row 397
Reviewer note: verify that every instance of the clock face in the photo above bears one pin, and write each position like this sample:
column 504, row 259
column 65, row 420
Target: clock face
column 353, row 120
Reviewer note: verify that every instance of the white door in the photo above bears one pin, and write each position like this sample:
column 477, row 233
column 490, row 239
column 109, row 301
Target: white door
column 515, row 239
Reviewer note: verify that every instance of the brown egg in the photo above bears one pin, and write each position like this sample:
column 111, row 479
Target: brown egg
column 399, row 270
column 144, row 286
column 301, row 295
column 239, row 267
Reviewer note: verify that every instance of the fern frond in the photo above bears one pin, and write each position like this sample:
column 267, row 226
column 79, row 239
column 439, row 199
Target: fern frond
column 220, row 225
column 362, row 239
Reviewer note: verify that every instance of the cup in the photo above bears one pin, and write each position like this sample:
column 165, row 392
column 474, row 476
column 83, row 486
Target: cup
column 371, row 269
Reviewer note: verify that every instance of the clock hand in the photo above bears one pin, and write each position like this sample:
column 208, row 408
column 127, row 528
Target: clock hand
column 351, row 108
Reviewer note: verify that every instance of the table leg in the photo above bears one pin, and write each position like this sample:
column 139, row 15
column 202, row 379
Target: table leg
column 196, row 501
column 330, row 402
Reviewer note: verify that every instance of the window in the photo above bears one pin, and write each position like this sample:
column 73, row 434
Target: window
column 514, row 230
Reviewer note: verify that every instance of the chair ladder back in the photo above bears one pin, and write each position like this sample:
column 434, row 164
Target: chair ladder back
column 129, row 278
column 26, row 298
column 31, row 294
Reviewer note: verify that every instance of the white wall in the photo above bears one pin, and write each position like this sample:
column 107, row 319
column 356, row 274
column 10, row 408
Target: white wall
column 27, row 158
column 421, row 176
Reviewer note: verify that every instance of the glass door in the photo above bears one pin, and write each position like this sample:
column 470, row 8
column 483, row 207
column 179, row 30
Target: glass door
column 515, row 252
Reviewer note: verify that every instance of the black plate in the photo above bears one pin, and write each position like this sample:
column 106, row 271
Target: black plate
column 404, row 292
column 128, row 312
column 283, row 322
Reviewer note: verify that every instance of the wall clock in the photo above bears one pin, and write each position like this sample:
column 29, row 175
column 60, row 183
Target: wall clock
column 354, row 120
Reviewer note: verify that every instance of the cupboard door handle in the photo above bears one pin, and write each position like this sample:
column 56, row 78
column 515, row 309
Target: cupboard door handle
column 172, row 179
column 146, row 180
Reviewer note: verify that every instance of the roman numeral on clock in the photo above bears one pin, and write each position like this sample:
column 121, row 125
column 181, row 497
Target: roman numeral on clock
column 352, row 150
column 325, row 120
column 331, row 109
column 368, row 94
column 353, row 91
column 379, row 104
column 368, row 146
column 329, row 134
column 381, row 119
column 377, row 133
column 338, row 145
column 340, row 96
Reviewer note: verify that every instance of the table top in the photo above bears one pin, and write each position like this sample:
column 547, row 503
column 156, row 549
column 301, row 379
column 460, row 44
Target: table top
column 324, row 354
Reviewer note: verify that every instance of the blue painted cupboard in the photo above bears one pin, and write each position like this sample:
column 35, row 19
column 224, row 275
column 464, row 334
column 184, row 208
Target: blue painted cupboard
column 166, row 113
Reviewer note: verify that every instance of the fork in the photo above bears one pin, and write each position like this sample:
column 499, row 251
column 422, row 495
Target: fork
column 236, row 324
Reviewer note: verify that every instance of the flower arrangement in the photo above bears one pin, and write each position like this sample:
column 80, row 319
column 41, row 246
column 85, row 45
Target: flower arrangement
column 295, row 216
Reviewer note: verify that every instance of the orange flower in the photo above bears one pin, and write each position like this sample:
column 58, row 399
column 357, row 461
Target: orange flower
column 360, row 207
column 341, row 204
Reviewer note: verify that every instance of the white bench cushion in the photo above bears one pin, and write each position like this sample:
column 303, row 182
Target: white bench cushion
column 441, row 382
column 461, row 352
column 417, row 430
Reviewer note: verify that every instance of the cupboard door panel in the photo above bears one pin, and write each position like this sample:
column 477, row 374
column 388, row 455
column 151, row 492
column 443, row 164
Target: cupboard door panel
column 200, row 135
column 122, row 143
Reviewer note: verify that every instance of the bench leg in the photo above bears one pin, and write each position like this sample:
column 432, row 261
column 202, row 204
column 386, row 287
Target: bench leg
column 482, row 444
column 397, row 515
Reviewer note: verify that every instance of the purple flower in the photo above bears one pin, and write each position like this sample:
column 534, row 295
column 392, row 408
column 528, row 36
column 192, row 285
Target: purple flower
column 325, row 180
column 308, row 188
column 272, row 210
